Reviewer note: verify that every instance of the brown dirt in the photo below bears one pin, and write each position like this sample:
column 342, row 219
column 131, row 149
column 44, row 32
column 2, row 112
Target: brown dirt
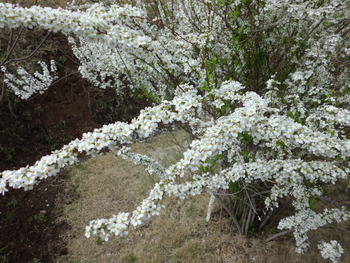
column 31, row 129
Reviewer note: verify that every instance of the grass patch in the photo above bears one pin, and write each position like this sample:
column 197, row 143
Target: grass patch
column 108, row 185
column 40, row 218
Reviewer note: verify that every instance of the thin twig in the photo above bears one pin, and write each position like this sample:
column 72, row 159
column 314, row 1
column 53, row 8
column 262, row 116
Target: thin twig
column 220, row 220
column 344, row 26
column 31, row 54
column 316, row 26
column 271, row 238
column 126, row 68
column 2, row 95
column 247, row 223
column 233, row 217
column 66, row 76
column 265, row 219
column 250, row 201
column 177, row 142
column 10, row 50
column 338, row 228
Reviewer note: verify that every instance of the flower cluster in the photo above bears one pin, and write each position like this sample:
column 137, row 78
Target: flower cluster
column 103, row 227
column 305, row 219
column 331, row 250
column 93, row 143
column 152, row 166
column 27, row 85
column 97, row 23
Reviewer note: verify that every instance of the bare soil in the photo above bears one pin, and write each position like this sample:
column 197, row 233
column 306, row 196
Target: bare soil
column 29, row 230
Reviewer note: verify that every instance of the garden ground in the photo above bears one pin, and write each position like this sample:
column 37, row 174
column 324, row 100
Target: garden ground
column 47, row 224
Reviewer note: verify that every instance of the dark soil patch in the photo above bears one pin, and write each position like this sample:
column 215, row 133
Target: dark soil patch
column 28, row 225
column 29, row 229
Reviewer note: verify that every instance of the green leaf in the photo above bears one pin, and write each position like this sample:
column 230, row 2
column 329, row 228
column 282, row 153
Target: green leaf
column 234, row 187
column 313, row 202
column 280, row 143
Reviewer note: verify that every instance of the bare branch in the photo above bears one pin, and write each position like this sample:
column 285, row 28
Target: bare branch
column 30, row 55
column 10, row 50
column 271, row 238
column 233, row 217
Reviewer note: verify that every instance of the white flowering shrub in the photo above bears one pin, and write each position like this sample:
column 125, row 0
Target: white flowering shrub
column 261, row 85
column 24, row 85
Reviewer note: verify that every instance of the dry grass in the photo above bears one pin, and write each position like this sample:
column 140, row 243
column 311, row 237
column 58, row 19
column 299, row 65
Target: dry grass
column 50, row 3
column 106, row 185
